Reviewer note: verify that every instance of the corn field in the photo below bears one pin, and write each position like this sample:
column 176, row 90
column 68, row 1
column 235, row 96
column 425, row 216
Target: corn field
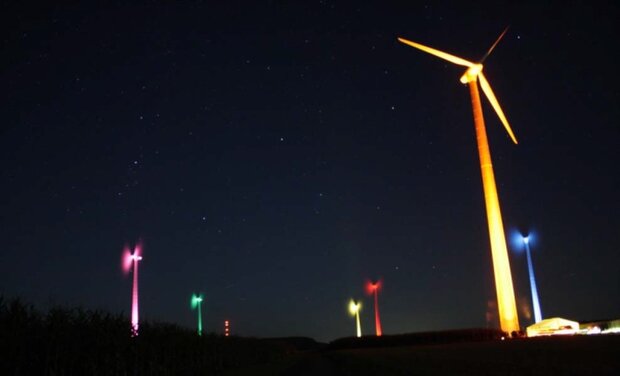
column 90, row 342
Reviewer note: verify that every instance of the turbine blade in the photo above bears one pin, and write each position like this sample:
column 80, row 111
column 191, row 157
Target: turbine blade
column 486, row 88
column 440, row 54
column 494, row 44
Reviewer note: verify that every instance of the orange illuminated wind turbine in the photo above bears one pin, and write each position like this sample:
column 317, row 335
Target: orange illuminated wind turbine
column 508, row 318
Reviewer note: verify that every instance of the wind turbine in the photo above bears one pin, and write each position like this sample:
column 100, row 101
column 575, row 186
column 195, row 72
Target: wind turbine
column 530, row 268
column 372, row 288
column 196, row 303
column 130, row 259
column 509, row 320
column 354, row 310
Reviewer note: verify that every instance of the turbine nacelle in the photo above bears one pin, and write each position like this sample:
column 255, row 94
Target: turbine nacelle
column 471, row 74
column 354, row 307
column 196, row 300
column 373, row 286
column 130, row 258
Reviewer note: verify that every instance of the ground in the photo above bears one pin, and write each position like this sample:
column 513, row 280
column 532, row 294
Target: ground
column 574, row 355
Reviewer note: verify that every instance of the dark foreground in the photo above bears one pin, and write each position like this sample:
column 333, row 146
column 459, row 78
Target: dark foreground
column 571, row 355
column 82, row 342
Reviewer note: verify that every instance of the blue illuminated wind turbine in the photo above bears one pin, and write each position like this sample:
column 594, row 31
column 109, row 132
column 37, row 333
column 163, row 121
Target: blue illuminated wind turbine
column 530, row 267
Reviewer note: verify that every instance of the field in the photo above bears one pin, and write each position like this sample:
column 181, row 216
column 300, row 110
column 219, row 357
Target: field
column 576, row 355
column 82, row 342
column 572, row 355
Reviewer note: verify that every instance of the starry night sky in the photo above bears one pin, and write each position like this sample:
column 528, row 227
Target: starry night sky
column 273, row 156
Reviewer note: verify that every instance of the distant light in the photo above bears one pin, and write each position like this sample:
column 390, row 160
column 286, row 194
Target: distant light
column 526, row 239
column 611, row 331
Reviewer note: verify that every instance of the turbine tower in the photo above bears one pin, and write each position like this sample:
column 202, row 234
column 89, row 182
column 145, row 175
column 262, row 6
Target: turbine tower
column 508, row 318
column 196, row 303
column 530, row 268
column 372, row 288
column 354, row 310
column 130, row 262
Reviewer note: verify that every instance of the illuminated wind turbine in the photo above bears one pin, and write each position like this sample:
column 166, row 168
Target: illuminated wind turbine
column 196, row 303
column 373, row 288
column 509, row 320
column 131, row 259
column 354, row 309
column 530, row 267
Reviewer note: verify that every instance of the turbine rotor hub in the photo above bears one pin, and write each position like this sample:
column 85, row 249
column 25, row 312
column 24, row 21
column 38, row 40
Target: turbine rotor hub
column 471, row 74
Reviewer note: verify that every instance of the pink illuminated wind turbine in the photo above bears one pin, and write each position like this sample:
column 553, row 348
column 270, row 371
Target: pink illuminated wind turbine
column 131, row 259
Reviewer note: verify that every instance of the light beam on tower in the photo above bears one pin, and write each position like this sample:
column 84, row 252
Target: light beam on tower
column 372, row 288
column 354, row 310
column 130, row 262
column 196, row 304
column 509, row 320
column 530, row 268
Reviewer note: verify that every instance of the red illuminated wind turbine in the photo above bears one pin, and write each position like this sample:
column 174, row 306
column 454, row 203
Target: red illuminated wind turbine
column 130, row 259
column 372, row 288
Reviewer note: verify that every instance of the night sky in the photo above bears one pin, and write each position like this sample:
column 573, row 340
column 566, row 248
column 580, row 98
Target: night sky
column 273, row 156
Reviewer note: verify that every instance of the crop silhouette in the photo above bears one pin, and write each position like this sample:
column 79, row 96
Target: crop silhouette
column 78, row 341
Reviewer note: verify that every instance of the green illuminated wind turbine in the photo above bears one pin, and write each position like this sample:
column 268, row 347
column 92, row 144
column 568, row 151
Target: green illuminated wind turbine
column 196, row 303
column 509, row 320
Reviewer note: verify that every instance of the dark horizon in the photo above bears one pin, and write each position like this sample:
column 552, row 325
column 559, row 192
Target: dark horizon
column 275, row 156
